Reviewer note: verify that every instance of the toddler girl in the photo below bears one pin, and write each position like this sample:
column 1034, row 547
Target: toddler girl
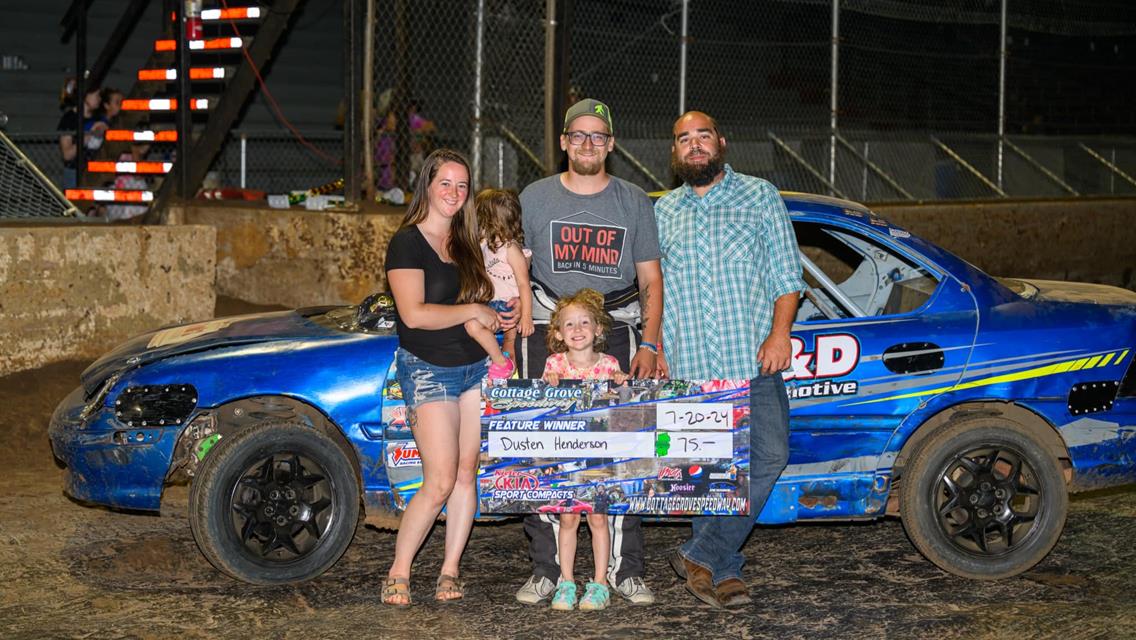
column 502, row 239
column 576, row 342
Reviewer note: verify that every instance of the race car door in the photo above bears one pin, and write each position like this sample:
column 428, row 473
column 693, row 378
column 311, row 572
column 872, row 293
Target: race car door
column 877, row 319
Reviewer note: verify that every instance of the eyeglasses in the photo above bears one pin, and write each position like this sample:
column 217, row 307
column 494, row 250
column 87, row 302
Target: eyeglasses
column 577, row 138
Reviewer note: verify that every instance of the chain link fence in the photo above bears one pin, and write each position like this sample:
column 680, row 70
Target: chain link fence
column 874, row 100
column 912, row 109
column 25, row 192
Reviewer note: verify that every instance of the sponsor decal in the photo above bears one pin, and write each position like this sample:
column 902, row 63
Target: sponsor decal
column 404, row 455
column 532, row 494
column 515, row 480
column 682, row 488
column 694, row 471
column 833, row 356
column 178, row 335
column 670, row 473
column 824, row 389
column 393, row 391
column 898, row 233
column 723, row 476
column 879, row 222
column 592, row 249
column 397, row 416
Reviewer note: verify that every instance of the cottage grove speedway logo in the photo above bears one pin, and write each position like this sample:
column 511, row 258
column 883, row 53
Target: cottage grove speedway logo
column 562, row 398
column 833, row 356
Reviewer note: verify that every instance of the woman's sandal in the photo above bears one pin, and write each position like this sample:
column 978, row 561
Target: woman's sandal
column 449, row 589
column 396, row 588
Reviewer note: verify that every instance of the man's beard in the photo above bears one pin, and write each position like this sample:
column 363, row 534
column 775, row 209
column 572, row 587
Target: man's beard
column 698, row 175
column 586, row 166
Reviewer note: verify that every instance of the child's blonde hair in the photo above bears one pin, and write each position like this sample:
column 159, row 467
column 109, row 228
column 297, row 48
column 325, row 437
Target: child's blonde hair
column 589, row 300
column 499, row 217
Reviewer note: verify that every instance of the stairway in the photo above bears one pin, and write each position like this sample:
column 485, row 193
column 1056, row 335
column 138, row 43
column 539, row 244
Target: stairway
column 225, row 51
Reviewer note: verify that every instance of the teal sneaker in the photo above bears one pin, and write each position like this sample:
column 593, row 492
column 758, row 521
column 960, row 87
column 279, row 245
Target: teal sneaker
column 565, row 597
column 596, row 597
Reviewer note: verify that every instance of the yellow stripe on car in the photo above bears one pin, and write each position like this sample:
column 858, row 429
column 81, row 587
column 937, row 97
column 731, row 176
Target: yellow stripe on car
column 1026, row 374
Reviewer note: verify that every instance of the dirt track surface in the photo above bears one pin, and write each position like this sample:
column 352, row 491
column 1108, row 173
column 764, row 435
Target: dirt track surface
column 73, row 571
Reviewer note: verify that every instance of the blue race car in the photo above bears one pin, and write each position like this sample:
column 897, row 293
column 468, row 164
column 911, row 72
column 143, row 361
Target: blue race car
column 920, row 386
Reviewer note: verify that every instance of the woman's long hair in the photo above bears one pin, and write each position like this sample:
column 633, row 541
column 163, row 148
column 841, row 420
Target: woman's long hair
column 465, row 241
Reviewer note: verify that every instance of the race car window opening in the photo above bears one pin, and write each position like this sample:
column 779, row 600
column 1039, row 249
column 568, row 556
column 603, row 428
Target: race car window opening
column 857, row 276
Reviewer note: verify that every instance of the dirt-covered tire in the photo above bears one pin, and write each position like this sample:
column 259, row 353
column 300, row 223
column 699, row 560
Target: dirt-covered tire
column 274, row 504
column 983, row 498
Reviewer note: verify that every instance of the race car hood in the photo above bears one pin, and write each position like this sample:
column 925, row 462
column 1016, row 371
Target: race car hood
column 202, row 336
column 1058, row 291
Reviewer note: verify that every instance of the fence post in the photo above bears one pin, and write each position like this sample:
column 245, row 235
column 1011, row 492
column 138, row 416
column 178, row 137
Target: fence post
column 184, row 106
column 549, row 86
column 80, row 92
column 478, row 64
column 682, row 57
column 368, row 117
column 833, row 100
column 353, row 71
column 244, row 157
column 1002, row 93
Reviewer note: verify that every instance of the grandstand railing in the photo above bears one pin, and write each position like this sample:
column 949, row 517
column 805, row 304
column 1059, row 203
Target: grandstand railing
column 871, row 166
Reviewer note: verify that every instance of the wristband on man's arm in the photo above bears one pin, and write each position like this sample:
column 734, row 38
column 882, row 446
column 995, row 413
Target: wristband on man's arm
column 650, row 346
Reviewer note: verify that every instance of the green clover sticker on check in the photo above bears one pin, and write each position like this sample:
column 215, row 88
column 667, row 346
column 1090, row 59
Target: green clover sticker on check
column 662, row 444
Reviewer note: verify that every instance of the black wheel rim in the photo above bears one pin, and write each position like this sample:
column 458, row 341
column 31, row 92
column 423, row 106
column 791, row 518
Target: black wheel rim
column 282, row 507
column 987, row 500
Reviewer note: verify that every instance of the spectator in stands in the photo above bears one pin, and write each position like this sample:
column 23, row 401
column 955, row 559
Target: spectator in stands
column 112, row 106
column 93, row 129
column 422, row 133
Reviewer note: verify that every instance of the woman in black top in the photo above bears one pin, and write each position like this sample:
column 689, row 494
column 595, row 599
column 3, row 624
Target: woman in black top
column 437, row 275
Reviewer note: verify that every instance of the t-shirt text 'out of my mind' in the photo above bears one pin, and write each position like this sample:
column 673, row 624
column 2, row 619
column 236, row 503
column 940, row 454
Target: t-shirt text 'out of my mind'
column 591, row 249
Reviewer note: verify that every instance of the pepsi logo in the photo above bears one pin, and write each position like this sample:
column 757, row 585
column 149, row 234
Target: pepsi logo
column 695, row 471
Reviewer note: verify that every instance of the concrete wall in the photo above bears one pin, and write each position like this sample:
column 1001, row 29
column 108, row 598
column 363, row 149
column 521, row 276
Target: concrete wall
column 295, row 257
column 298, row 258
column 1084, row 240
column 73, row 292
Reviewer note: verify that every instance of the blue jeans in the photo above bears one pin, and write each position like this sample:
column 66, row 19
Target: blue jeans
column 717, row 541
column 422, row 382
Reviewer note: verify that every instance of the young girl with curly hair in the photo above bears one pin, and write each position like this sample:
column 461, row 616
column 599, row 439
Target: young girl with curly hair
column 576, row 340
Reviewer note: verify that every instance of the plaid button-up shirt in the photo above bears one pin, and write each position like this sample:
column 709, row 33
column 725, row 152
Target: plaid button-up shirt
column 727, row 256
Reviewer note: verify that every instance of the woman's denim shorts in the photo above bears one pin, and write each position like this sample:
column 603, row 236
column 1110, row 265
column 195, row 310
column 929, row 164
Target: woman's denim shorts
column 422, row 382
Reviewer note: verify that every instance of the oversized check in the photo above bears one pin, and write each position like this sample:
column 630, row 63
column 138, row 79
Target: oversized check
column 652, row 447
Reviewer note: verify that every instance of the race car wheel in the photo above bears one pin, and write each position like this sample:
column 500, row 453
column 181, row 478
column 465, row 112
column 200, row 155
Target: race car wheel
column 983, row 498
column 274, row 504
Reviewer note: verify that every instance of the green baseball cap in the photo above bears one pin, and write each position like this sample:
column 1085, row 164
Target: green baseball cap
column 589, row 107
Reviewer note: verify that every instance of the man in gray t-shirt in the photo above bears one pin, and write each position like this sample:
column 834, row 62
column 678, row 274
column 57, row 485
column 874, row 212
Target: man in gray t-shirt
column 590, row 229
column 593, row 240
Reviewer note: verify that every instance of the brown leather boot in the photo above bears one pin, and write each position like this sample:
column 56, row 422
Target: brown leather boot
column 732, row 593
column 699, row 581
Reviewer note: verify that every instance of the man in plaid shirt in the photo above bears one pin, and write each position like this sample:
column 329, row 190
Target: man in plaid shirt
column 732, row 278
